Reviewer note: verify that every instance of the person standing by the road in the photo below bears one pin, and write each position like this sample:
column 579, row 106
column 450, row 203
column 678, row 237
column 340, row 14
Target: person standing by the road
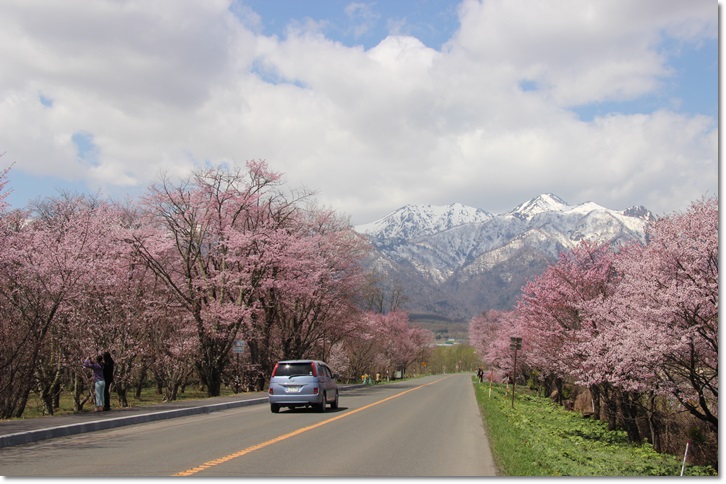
column 107, row 379
column 100, row 384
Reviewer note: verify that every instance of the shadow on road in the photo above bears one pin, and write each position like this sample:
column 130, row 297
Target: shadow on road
column 310, row 410
column 404, row 385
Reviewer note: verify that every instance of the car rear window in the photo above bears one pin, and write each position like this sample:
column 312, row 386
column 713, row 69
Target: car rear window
column 294, row 369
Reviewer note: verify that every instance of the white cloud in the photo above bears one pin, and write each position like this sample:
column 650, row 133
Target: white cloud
column 581, row 52
column 167, row 84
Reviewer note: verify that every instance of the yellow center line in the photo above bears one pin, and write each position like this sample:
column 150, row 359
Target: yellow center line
column 253, row 448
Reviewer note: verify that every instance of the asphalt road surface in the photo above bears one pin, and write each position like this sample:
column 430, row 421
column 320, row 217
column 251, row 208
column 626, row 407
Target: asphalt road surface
column 427, row 427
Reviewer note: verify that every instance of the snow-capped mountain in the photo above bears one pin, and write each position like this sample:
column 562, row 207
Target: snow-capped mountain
column 414, row 221
column 456, row 261
column 544, row 203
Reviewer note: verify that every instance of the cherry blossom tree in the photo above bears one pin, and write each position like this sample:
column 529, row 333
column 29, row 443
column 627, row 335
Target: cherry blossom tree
column 664, row 315
column 214, row 241
column 4, row 191
column 318, row 274
column 403, row 344
column 362, row 350
column 48, row 259
column 553, row 311
column 171, row 348
column 489, row 334
column 385, row 342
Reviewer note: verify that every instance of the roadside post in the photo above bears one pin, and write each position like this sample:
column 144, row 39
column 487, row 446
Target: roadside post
column 685, row 456
column 514, row 344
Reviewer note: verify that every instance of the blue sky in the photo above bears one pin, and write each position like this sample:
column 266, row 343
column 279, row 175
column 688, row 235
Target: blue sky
column 372, row 104
column 433, row 22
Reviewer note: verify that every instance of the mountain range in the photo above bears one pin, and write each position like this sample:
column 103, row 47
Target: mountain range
column 455, row 261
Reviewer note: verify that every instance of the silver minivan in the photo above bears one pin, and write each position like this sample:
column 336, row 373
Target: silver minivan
column 302, row 383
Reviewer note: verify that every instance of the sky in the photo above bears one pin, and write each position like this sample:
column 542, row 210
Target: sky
column 373, row 105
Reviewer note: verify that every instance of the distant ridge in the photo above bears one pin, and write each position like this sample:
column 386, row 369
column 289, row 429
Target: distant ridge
column 413, row 221
column 456, row 261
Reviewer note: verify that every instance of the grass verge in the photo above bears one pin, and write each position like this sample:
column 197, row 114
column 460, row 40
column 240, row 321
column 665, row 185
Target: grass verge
column 149, row 397
column 539, row 438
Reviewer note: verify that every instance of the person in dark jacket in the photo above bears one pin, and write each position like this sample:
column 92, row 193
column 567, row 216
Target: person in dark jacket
column 108, row 378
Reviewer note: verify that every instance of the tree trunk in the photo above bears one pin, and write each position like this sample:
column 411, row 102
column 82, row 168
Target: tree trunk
column 655, row 425
column 122, row 392
column 46, row 395
column 595, row 395
column 49, row 392
column 171, row 391
column 611, row 407
column 57, row 388
column 80, row 396
column 547, row 386
column 629, row 411
column 560, row 384
column 211, row 376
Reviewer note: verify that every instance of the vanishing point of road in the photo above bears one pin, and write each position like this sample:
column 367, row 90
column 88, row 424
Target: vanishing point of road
column 425, row 427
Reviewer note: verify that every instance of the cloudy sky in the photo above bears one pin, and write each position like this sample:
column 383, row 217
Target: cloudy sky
column 373, row 104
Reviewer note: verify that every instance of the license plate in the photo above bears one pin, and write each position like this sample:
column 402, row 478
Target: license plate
column 293, row 389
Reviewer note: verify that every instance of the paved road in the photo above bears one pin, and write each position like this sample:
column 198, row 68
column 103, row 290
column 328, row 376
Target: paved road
column 425, row 427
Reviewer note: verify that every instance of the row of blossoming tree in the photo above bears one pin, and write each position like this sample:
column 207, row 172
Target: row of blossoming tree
column 637, row 326
column 172, row 283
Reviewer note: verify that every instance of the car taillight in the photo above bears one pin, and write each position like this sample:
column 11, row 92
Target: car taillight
column 315, row 391
column 315, row 370
column 270, row 391
column 274, row 371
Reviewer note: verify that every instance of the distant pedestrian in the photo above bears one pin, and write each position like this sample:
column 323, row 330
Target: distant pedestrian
column 107, row 379
column 100, row 383
column 480, row 375
column 505, row 380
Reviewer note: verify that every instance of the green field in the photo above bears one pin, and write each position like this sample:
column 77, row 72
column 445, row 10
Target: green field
column 539, row 438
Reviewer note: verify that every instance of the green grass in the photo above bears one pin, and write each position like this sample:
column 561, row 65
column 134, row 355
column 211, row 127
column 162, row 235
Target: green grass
column 539, row 438
column 149, row 396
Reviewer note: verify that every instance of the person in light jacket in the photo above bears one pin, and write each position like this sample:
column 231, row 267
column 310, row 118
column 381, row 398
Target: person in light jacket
column 97, row 368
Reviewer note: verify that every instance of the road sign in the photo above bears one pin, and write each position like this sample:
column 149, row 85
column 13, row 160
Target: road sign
column 239, row 346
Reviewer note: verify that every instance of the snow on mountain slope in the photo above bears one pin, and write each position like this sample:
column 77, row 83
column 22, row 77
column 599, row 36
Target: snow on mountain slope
column 458, row 260
column 541, row 204
column 414, row 221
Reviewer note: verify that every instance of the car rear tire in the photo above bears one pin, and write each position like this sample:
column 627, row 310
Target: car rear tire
column 274, row 408
column 334, row 405
column 323, row 403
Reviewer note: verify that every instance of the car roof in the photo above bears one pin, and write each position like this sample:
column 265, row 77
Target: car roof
column 302, row 361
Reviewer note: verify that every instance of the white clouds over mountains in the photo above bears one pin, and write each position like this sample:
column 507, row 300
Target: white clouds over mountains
column 112, row 91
